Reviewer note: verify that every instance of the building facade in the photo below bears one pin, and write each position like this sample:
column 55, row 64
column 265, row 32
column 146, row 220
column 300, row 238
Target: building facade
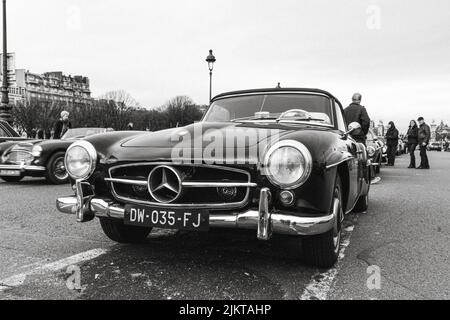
column 50, row 86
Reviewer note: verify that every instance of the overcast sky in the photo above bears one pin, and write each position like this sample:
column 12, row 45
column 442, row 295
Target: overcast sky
column 396, row 53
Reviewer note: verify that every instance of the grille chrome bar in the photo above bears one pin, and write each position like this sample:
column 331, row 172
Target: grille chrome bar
column 219, row 184
column 143, row 183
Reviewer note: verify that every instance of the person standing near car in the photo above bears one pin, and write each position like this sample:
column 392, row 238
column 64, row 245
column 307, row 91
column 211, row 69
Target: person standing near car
column 355, row 112
column 392, row 143
column 413, row 141
column 424, row 135
column 62, row 125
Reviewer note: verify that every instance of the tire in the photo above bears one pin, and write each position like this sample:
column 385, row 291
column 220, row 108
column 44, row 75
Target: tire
column 362, row 205
column 12, row 179
column 117, row 231
column 56, row 172
column 322, row 250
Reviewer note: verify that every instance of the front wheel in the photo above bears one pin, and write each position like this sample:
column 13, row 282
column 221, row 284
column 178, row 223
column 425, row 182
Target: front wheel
column 323, row 250
column 12, row 179
column 117, row 231
column 56, row 170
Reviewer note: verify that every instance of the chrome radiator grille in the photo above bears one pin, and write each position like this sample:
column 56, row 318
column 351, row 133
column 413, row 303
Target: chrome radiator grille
column 19, row 156
column 201, row 186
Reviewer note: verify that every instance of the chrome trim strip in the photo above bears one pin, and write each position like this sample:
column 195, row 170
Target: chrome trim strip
column 141, row 183
column 233, row 205
column 219, row 184
column 22, row 167
column 340, row 162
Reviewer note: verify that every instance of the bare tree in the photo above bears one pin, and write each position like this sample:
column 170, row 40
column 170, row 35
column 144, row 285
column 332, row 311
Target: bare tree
column 121, row 97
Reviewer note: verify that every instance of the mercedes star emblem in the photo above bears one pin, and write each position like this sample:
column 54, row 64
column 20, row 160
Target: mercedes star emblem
column 164, row 184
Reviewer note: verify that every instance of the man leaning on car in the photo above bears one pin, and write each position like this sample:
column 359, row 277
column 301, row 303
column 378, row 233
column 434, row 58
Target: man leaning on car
column 355, row 112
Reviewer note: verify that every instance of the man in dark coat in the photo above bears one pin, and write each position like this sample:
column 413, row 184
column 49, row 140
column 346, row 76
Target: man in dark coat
column 62, row 125
column 355, row 112
column 392, row 143
column 424, row 140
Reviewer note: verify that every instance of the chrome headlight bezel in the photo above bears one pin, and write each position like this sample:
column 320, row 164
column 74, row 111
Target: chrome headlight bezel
column 92, row 155
column 308, row 164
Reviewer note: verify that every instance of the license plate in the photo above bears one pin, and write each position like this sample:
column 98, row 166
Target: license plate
column 10, row 173
column 180, row 219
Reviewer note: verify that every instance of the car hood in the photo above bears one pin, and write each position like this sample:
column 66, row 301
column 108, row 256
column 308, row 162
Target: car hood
column 200, row 135
column 210, row 141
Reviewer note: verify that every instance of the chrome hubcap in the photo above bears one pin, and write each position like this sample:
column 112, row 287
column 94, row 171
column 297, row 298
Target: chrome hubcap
column 59, row 169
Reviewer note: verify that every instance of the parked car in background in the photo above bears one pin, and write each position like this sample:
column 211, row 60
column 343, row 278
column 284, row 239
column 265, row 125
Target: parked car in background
column 375, row 150
column 435, row 146
column 401, row 147
column 7, row 133
column 39, row 158
column 297, row 174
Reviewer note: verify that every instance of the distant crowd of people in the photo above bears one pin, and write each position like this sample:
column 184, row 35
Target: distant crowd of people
column 419, row 134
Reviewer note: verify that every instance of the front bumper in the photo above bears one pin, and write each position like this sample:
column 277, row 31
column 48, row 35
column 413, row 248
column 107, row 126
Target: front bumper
column 264, row 220
column 23, row 168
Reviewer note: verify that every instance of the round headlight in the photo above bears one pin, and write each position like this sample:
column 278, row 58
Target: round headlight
column 36, row 151
column 371, row 151
column 288, row 164
column 80, row 161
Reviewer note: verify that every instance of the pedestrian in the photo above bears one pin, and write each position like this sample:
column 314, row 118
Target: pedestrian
column 392, row 143
column 424, row 135
column 62, row 125
column 40, row 134
column 355, row 112
column 413, row 141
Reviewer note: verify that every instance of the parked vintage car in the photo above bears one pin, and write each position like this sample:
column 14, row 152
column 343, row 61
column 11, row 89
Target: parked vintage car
column 401, row 149
column 435, row 146
column 39, row 158
column 7, row 133
column 375, row 150
column 283, row 162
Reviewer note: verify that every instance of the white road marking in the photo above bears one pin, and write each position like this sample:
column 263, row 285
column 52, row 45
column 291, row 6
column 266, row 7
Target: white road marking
column 19, row 279
column 321, row 283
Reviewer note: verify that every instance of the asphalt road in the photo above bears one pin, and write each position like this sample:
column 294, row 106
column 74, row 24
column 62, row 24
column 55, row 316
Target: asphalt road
column 404, row 235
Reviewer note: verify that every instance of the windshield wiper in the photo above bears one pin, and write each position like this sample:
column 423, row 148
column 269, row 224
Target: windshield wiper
column 253, row 118
column 300, row 119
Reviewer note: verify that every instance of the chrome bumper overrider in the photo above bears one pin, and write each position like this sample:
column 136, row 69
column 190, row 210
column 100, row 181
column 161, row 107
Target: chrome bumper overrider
column 263, row 220
column 21, row 167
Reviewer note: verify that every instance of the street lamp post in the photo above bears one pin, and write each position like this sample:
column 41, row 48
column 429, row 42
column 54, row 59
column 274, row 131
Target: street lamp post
column 5, row 109
column 211, row 59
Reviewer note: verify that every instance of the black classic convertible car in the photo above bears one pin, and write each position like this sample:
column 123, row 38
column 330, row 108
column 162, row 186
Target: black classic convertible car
column 276, row 161
column 39, row 158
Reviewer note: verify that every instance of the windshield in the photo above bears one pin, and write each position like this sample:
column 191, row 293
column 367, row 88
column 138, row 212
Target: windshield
column 244, row 108
column 81, row 133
